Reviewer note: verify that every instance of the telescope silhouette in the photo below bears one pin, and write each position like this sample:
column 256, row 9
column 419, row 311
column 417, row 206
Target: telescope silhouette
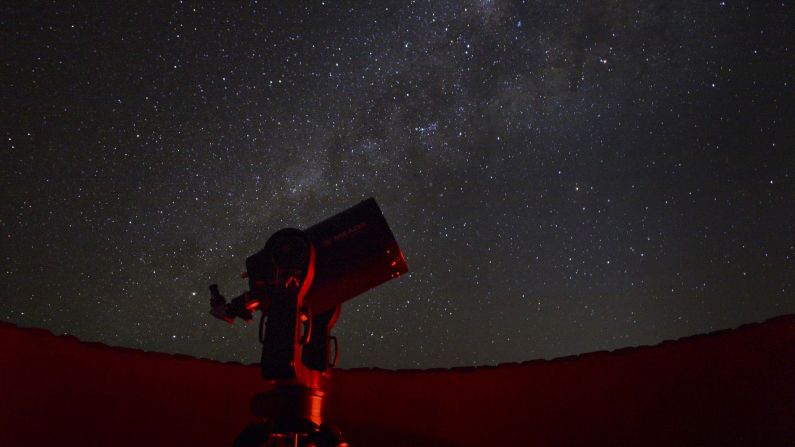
column 299, row 281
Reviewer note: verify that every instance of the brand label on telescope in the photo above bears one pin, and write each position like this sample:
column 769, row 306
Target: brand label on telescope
column 345, row 234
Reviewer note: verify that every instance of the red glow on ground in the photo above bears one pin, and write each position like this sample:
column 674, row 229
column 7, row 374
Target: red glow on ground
column 730, row 388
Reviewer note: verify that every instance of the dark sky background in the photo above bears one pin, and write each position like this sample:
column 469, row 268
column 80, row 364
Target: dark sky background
column 563, row 177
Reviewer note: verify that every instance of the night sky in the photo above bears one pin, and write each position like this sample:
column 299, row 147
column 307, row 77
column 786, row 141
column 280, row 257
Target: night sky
column 563, row 177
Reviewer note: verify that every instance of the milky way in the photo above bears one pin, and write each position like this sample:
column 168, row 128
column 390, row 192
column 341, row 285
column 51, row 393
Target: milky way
column 563, row 177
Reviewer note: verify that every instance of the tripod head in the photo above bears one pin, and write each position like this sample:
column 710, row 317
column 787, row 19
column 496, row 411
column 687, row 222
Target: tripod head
column 299, row 281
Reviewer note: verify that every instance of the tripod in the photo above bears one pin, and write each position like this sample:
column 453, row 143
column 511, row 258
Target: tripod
column 291, row 416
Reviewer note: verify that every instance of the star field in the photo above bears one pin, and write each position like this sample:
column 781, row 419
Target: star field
column 563, row 177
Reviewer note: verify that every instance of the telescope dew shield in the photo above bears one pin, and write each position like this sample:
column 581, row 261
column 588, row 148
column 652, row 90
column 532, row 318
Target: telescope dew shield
column 355, row 251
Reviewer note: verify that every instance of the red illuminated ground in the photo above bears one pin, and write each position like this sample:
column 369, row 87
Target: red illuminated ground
column 728, row 388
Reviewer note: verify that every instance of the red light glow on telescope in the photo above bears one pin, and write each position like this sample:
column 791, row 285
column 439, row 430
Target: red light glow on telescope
column 252, row 305
column 292, row 281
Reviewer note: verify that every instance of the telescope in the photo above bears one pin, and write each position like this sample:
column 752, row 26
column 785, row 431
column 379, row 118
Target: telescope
column 299, row 281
